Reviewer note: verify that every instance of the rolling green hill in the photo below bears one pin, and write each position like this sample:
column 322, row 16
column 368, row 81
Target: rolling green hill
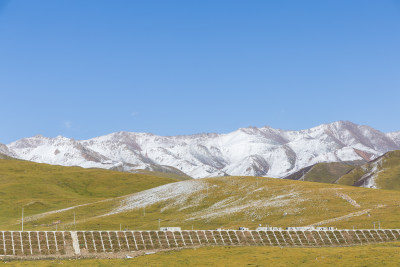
column 103, row 199
column 175, row 175
column 230, row 202
column 382, row 173
column 41, row 187
column 324, row 172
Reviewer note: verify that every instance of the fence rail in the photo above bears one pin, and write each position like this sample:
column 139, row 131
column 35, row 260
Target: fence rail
column 72, row 243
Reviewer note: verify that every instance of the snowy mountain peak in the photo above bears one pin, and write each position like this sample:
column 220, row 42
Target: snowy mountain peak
column 261, row 151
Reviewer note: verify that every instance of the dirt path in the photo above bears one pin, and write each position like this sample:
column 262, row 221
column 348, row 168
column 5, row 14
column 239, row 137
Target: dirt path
column 353, row 214
column 41, row 215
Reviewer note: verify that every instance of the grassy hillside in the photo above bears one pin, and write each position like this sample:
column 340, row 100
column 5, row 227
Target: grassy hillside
column 230, row 202
column 158, row 170
column 41, row 187
column 108, row 199
column 384, row 172
column 3, row 156
column 176, row 175
column 381, row 173
column 323, row 172
column 352, row 177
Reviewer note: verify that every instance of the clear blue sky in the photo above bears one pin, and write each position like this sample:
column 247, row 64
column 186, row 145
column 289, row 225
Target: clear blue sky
column 84, row 68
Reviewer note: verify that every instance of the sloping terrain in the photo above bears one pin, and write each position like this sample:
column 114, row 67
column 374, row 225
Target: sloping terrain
column 230, row 202
column 382, row 173
column 395, row 136
column 41, row 187
column 167, row 171
column 327, row 172
column 4, row 156
column 5, row 152
column 248, row 151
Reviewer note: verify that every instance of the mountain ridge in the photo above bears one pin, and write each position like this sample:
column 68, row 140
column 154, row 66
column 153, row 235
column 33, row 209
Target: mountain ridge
column 248, row 151
column 381, row 173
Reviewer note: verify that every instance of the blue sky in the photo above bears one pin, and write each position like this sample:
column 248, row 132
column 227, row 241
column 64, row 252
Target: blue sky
column 87, row 68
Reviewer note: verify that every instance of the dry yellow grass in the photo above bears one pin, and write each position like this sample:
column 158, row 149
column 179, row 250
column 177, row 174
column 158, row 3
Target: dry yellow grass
column 41, row 188
column 371, row 255
column 230, row 202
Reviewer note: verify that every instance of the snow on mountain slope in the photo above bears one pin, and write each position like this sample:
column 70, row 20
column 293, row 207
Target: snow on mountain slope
column 247, row 151
column 5, row 151
column 59, row 150
column 395, row 137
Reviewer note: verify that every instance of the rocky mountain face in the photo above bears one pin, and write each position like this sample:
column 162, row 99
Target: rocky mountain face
column 395, row 137
column 5, row 151
column 247, row 151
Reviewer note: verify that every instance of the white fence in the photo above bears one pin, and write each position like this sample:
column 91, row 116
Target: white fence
column 70, row 243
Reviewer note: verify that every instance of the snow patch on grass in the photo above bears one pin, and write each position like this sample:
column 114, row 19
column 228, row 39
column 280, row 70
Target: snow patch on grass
column 179, row 193
column 348, row 199
column 236, row 204
column 217, row 200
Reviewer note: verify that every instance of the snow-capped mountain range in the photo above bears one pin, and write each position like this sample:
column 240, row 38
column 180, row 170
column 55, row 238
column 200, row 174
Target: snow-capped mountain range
column 247, row 151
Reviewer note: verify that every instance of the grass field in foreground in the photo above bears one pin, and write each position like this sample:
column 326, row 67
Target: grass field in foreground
column 372, row 255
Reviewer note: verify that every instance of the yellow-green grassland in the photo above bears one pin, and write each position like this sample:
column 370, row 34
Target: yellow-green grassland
column 371, row 255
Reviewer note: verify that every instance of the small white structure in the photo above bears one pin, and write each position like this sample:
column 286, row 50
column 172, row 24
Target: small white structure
column 328, row 228
column 303, row 228
column 243, row 228
column 172, row 229
column 269, row 228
